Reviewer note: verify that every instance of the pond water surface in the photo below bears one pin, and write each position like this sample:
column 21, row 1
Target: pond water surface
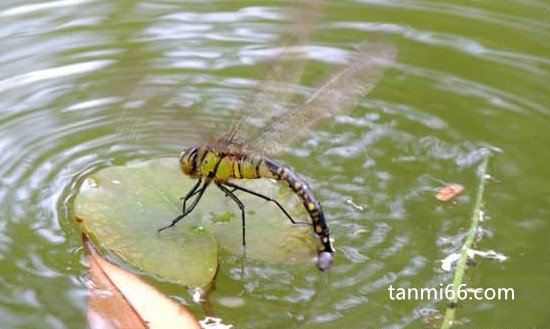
column 86, row 84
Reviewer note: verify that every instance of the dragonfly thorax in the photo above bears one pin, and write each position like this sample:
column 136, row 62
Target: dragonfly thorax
column 219, row 165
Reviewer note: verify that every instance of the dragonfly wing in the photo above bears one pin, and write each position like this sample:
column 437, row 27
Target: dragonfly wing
column 338, row 94
column 268, row 97
column 155, row 116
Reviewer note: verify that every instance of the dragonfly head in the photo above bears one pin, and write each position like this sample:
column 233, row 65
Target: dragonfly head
column 188, row 161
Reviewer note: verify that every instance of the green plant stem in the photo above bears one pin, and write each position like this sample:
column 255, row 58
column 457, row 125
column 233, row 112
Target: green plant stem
column 461, row 265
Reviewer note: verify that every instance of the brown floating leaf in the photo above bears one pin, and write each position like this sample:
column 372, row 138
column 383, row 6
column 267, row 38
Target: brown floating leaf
column 449, row 191
column 120, row 299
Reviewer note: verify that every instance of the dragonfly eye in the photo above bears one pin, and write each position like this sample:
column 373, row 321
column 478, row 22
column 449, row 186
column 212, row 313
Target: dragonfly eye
column 187, row 160
column 186, row 153
column 184, row 156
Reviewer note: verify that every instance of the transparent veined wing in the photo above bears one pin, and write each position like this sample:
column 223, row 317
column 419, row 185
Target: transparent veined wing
column 152, row 113
column 274, row 89
column 338, row 94
column 155, row 114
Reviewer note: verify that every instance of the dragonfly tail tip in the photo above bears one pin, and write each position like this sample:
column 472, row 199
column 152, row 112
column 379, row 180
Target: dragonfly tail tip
column 324, row 260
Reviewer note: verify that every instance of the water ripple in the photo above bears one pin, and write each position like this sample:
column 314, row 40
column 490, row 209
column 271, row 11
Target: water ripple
column 53, row 73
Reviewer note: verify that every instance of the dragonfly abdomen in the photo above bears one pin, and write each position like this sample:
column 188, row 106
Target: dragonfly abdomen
column 272, row 169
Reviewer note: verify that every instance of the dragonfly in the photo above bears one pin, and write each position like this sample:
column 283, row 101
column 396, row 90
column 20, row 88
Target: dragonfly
column 229, row 158
column 246, row 150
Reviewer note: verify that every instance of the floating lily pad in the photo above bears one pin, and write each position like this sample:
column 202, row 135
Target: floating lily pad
column 122, row 208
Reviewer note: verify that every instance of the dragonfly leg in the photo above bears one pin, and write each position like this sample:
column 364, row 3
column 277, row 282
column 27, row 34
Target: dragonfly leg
column 200, row 192
column 240, row 188
column 190, row 194
column 239, row 203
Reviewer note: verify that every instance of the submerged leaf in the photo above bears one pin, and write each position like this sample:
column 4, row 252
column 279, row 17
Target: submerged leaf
column 122, row 207
column 120, row 299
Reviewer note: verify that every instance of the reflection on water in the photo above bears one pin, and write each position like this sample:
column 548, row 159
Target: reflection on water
column 86, row 84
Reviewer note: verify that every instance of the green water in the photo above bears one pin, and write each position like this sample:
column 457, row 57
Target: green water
column 86, row 84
